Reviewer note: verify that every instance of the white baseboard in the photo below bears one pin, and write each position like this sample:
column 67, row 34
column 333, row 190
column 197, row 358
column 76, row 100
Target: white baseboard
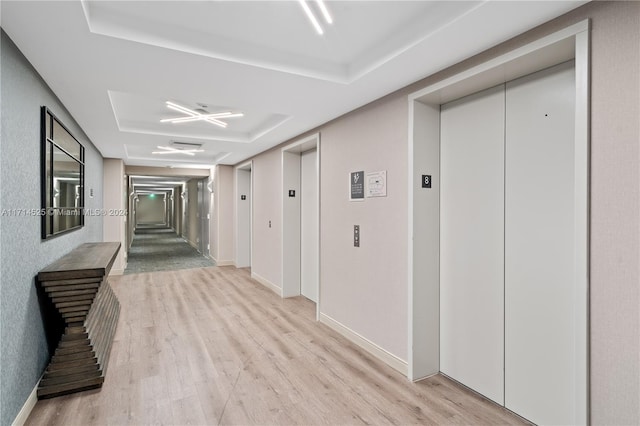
column 388, row 358
column 223, row 262
column 116, row 271
column 425, row 377
column 26, row 409
column 265, row 282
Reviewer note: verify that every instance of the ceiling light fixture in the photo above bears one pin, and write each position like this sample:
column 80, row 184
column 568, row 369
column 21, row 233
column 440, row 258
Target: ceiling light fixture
column 312, row 17
column 325, row 12
column 170, row 150
column 192, row 115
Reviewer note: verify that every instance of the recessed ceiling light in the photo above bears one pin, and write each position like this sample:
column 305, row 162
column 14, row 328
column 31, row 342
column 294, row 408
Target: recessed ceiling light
column 312, row 17
column 170, row 150
column 325, row 12
column 191, row 115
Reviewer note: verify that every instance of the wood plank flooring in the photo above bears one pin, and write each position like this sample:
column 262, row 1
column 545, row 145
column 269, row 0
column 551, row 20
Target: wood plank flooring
column 211, row 346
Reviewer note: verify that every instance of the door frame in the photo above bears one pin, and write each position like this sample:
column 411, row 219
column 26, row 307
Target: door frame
column 291, row 287
column 247, row 166
column 424, row 153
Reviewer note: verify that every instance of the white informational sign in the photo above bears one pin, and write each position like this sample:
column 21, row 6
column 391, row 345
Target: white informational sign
column 377, row 184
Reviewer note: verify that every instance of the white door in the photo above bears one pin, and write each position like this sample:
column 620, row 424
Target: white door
column 309, row 225
column 472, row 242
column 540, row 292
column 509, row 287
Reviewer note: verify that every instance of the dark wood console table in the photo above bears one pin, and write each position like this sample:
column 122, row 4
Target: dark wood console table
column 78, row 287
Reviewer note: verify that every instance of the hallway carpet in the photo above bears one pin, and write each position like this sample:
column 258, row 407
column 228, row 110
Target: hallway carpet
column 160, row 249
column 211, row 346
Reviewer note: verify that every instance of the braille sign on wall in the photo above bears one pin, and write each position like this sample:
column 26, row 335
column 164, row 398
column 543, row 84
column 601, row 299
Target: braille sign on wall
column 356, row 186
column 426, row 181
column 292, row 193
column 243, row 197
column 356, row 235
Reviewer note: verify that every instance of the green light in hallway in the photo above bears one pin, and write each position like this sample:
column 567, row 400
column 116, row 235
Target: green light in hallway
column 152, row 195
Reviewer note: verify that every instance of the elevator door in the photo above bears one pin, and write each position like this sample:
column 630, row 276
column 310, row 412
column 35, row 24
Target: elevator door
column 540, row 284
column 508, row 280
column 472, row 242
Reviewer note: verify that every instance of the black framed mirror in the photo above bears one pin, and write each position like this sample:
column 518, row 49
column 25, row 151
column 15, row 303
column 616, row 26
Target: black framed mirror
column 62, row 177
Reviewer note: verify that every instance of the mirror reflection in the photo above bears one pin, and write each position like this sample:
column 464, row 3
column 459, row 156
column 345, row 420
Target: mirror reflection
column 63, row 178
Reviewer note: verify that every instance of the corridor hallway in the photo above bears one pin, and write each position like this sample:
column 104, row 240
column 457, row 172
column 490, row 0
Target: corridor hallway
column 158, row 248
column 211, row 346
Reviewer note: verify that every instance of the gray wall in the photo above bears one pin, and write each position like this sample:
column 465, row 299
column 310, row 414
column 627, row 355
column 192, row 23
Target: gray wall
column 22, row 252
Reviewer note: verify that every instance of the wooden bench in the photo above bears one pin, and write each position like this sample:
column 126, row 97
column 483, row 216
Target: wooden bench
column 77, row 286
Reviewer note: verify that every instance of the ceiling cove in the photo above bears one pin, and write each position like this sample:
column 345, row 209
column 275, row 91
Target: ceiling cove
column 363, row 37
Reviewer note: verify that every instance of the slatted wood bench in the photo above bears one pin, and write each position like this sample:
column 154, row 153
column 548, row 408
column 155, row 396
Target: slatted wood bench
column 77, row 286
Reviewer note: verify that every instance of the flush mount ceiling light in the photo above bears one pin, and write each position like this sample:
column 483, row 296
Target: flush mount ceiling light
column 312, row 17
column 202, row 115
column 171, row 150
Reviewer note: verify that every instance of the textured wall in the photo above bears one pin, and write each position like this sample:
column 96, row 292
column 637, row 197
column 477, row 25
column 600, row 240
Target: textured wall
column 352, row 283
column 365, row 288
column 24, row 347
column 615, row 214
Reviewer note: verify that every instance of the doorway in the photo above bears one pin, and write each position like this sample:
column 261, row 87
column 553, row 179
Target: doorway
column 300, row 219
column 244, row 215
column 520, row 236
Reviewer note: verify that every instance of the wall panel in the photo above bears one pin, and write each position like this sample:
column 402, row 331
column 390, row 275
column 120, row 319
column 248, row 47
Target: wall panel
column 541, row 286
column 472, row 241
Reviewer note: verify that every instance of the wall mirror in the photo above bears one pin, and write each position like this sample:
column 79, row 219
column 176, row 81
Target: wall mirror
column 62, row 177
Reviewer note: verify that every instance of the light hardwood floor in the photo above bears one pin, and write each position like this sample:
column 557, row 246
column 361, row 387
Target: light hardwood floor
column 211, row 346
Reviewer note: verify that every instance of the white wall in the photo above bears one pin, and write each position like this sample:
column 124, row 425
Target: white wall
column 222, row 218
column 115, row 205
column 150, row 209
column 372, row 277
column 365, row 288
column 192, row 233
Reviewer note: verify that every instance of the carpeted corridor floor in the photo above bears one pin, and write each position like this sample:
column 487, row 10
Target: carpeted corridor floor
column 160, row 249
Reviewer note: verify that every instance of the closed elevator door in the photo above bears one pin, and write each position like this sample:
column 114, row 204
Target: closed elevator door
column 472, row 242
column 540, row 284
column 507, row 245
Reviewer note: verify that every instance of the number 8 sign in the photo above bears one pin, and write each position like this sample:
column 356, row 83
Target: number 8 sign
column 426, row 181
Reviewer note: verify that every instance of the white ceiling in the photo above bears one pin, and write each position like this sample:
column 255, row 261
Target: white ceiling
column 157, row 184
column 114, row 64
